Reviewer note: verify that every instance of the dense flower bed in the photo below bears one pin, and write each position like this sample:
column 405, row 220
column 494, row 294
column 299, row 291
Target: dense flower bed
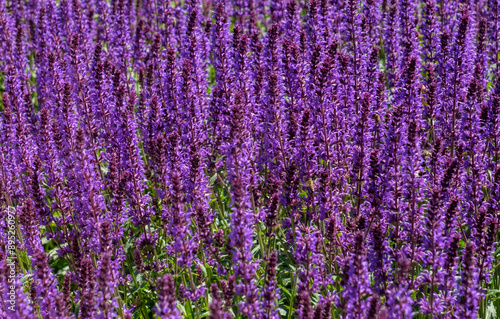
column 249, row 159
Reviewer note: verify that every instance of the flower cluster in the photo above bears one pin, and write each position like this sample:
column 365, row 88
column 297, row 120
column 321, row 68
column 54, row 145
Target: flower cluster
column 250, row 159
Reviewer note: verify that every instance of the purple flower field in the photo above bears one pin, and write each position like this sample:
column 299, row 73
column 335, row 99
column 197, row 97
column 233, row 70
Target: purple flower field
column 249, row 159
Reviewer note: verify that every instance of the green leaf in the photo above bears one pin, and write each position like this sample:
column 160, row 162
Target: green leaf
column 491, row 311
column 286, row 291
column 203, row 269
column 493, row 292
column 282, row 312
column 286, row 281
column 182, row 309
column 212, row 179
